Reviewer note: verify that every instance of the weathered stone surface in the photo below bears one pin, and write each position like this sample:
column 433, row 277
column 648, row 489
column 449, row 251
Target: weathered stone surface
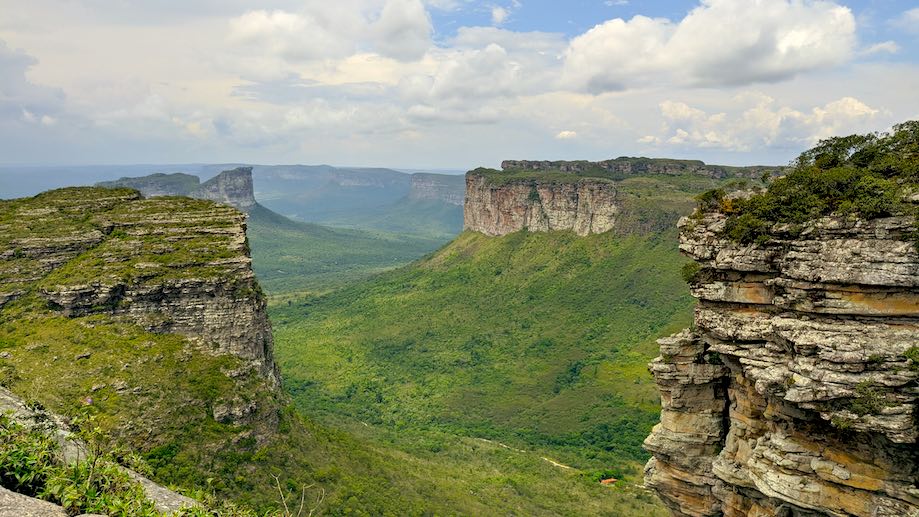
column 812, row 333
column 18, row 505
column 585, row 206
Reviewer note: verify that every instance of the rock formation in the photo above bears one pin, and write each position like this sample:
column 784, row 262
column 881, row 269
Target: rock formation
column 796, row 391
column 172, row 265
column 587, row 205
column 438, row 187
column 233, row 187
column 624, row 166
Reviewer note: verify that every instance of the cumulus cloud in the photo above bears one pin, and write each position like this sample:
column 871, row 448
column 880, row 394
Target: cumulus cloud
column 404, row 30
column 721, row 42
column 566, row 135
column 293, row 36
column 756, row 120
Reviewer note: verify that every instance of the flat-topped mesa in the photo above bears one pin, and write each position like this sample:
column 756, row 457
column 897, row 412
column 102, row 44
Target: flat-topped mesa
column 584, row 205
column 796, row 392
column 626, row 166
column 233, row 187
column 438, row 187
column 170, row 265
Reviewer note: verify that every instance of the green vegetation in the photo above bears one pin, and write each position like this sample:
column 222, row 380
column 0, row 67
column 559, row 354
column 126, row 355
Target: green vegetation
column 913, row 356
column 859, row 175
column 290, row 256
column 538, row 342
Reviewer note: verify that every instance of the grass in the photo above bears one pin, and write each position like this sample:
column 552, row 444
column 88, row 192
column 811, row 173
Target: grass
column 290, row 256
column 535, row 341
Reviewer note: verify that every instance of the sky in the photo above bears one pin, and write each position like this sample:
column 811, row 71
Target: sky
column 447, row 83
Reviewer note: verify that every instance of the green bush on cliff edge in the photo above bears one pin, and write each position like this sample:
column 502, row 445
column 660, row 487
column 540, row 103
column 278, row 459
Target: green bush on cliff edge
column 860, row 175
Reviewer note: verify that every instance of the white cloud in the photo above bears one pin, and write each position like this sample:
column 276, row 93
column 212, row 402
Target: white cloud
column 290, row 36
column 909, row 20
column 884, row 47
column 499, row 15
column 566, row 135
column 403, row 30
column 721, row 42
column 755, row 120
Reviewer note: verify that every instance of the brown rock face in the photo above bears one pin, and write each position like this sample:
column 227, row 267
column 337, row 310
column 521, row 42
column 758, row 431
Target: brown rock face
column 796, row 392
column 584, row 206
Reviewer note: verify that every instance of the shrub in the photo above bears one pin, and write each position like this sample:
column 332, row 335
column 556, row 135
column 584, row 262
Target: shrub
column 690, row 272
column 859, row 175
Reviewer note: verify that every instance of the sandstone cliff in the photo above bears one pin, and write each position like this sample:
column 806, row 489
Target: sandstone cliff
column 585, row 206
column 171, row 265
column 438, row 187
column 795, row 393
column 624, row 166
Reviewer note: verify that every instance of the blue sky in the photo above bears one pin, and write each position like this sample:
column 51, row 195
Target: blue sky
column 447, row 83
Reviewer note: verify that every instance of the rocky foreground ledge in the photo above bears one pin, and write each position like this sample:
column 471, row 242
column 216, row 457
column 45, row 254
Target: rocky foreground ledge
column 795, row 392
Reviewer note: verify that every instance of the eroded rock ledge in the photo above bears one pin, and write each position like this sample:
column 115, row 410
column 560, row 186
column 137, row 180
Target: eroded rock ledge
column 796, row 391
column 587, row 205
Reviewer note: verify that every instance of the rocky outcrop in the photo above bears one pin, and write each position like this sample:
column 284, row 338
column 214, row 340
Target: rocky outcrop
column 233, row 187
column 796, row 392
column 585, row 206
column 625, row 166
column 171, row 265
column 438, row 187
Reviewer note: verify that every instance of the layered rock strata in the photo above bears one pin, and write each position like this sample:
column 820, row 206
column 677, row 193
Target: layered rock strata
column 585, row 206
column 796, row 391
column 172, row 265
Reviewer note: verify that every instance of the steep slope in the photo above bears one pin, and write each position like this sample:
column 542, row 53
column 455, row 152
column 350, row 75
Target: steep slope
column 797, row 390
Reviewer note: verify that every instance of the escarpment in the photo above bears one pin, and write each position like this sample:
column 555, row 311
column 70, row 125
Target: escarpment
column 170, row 265
column 795, row 393
column 585, row 206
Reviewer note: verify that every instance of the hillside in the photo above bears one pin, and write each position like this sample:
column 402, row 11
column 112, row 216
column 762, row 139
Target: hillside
column 538, row 341
column 145, row 314
column 291, row 256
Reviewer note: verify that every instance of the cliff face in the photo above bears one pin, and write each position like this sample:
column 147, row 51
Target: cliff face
column 233, row 187
column 796, row 391
column 170, row 265
column 642, row 166
column 585, row 206
column 438, row 187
